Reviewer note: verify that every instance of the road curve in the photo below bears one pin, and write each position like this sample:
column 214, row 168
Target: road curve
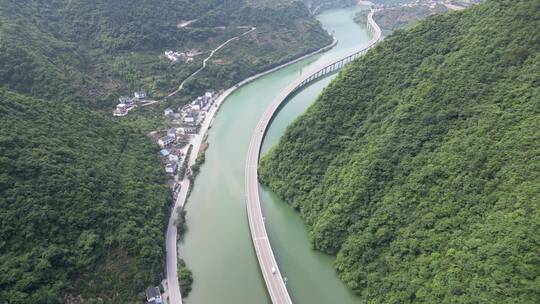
column 181, row 86
column 267, row 262
column 173, row 287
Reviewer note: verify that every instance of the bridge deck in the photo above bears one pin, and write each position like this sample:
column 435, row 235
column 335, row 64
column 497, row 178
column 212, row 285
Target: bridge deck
column 267, row 262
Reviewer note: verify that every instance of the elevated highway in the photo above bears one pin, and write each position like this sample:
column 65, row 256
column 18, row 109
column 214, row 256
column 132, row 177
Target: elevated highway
column 172, row 284
column 263, row 249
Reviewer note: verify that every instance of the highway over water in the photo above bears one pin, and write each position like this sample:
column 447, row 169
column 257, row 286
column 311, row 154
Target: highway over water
column 263, row 249
column 172, row 284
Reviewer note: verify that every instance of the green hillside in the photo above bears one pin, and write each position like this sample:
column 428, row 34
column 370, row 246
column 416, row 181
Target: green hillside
column 316, row 6
column 83, row 205
column 419, row 165
column 83, row 200
column 92, row 51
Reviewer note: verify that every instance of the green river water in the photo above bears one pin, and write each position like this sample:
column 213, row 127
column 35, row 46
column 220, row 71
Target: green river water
column 217, row 245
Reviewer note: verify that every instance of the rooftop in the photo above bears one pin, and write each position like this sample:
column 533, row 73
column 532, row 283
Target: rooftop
column 152, row 292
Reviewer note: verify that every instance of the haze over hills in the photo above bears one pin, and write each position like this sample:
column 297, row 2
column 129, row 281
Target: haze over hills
column 418, row 166
column 83, row 199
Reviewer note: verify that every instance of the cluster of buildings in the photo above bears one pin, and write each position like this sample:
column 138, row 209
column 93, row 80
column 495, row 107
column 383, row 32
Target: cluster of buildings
column 175, row 141
column 430, row 3
column 175, row 56
column 172, row 145
column 191, row 115
column 127, row 103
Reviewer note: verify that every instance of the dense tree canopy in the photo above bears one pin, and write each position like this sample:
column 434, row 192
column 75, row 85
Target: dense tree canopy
column 83, row 201
column 92, row 51
column 419, row 165
column 83, row 205
column 315, row 6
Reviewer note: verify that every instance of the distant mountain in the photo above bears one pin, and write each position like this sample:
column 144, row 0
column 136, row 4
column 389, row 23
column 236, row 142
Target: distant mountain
column 419, row 164
column 316, row 6
column 393, row 2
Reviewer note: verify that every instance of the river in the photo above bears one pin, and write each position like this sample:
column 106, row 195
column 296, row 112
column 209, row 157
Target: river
column 217, row 245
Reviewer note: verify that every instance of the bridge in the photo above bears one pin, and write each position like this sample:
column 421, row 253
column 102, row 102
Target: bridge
column 318, row 71
column 267, row 262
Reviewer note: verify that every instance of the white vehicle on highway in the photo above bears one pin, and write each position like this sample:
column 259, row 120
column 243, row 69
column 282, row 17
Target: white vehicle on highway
column 273, row 270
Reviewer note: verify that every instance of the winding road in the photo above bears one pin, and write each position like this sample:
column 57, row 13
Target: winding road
column 172, row 285
column 208, row 58
column 181, row 86
column 276, row 289
column 267, row 262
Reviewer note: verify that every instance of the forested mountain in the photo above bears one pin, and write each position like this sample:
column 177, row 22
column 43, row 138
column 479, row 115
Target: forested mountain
column 419, row 165
column 93, row 51
column 83, row 200
column 392, row 18
column 315, row 6
column 83, row 205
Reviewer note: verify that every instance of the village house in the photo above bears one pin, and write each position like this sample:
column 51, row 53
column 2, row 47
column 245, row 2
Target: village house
column 172, row 55
column 201, row 102
column 183, row 109
column 171, row 168
column 183, row 138
column 168, row 112
column 191, row 118
column 209, row 97
column 171, row 133
column 164, row 152
column 140, row 95
column 205, row 101
column 188, row 130
column 153, row 296
column 165, row 141
column 130, row 102
column 173, row 158
column 121, row 110
column 124, row 99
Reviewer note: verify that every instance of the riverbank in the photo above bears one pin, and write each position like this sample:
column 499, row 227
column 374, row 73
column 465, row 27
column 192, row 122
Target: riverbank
column 217, row 246
column 172, row 287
